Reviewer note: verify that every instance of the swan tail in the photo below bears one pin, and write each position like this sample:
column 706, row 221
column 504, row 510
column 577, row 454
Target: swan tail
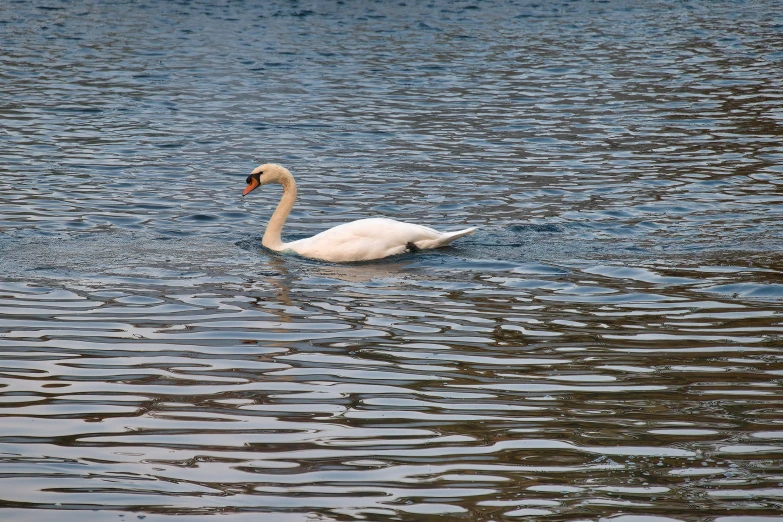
column 445, row 239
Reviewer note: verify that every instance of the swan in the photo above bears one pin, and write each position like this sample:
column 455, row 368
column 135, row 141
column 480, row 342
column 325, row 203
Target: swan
column 361, row 240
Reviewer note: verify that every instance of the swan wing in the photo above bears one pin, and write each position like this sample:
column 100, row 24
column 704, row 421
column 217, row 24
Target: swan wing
column 372, row 238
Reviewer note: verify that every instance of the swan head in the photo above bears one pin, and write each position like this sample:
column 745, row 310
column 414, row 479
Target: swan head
column 265, row 174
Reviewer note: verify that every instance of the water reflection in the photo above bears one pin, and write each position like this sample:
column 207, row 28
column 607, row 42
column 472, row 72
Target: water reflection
column 376, row 391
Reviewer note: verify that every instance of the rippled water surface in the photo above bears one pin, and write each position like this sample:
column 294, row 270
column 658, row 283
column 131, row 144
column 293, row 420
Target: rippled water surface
column 607, row 345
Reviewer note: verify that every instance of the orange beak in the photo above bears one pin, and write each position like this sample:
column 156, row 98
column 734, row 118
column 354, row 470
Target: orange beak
column 254, row 184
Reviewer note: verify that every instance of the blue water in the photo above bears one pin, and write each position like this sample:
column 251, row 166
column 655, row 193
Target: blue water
column 607, row 345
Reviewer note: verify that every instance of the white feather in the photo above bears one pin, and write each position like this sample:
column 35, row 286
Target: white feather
column 361, row 240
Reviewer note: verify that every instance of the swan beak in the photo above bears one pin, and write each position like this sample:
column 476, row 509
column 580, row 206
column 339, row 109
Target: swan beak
column 254, row 184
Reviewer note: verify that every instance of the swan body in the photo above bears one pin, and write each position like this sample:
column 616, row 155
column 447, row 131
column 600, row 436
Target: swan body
column 361, row 240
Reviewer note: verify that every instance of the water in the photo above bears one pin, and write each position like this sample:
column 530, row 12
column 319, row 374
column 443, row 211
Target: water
column 608, row 344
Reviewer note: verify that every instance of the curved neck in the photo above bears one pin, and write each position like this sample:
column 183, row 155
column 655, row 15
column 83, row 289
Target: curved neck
column 271, row 237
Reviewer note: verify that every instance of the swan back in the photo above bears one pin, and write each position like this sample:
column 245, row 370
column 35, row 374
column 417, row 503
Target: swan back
column 372, row 238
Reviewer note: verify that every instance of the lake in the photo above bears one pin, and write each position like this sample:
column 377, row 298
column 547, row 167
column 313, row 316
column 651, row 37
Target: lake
column 608, row 345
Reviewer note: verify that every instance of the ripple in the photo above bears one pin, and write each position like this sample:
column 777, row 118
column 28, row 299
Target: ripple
column 605, row 346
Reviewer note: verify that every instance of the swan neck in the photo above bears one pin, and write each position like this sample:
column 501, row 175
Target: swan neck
column 271, row 237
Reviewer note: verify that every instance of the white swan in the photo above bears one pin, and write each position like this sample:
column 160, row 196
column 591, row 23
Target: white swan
column 360, row 240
